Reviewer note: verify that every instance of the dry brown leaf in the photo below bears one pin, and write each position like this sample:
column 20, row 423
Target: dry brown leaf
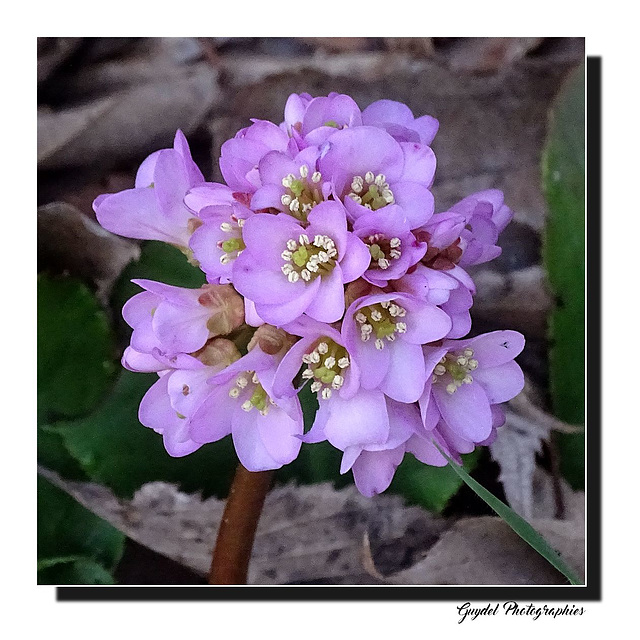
column 307, row 534
column 486, row 55
column 70, row 241
column 127, row 124
column 518, row 299
column 485, row 550
column 516, row 446
column 52, row 52
column 340, row 44
column 413, row 46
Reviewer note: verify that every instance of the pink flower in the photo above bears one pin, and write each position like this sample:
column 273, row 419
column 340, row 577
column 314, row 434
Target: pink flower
column 467, row 377
column 154, row 209
column 287, row 269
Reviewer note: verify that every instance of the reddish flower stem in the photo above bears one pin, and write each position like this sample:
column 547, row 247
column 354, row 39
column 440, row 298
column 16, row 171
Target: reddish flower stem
column 232, row 552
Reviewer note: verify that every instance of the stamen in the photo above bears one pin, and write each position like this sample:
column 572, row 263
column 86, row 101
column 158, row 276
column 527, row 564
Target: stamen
column 343, row 363
column 316, row 177
column 226, row 227
column 234, row 392
column 326, row 393
column 379, row 344
column 323, row 347
column 329, row 362
column 304, row 171
column 369, row 177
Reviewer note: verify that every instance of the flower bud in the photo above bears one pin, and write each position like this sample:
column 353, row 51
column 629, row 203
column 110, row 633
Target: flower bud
column 271, row 340
column 227, row 308
column 218, row 352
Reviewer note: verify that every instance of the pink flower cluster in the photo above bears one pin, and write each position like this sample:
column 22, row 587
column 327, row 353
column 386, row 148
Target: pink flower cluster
column 326, row 266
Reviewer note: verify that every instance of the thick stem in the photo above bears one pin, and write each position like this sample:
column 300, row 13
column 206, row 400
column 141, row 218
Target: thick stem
column 231, row 555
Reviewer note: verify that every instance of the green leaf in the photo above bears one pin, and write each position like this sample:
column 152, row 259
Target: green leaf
column 53, row 454
column 75, row 349
column 116, row 450
column 518, row 524
column 427, row 486
column 73, row 571
column 76, row 355
column 72, row 541
column 563, row 169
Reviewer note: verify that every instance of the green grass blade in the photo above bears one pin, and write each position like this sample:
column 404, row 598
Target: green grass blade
column 518, row 524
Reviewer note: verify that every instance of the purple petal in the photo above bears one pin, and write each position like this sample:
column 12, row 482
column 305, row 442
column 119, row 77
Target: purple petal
column 252, row 280
column 181, row 329
column 500, row 383
column 496, row 348
column 427, row 127
column 289, row 367
column 285, row 312
column 140, row 362
column 327, row 305
column 134, row 213
column 252, row 453
column 144, row 176
column 467, row 411
column 356, row 259
column 416, row 202
column 330, row 218
column 212, row 420
column 208, row 194
column 423, row 448
column 373, row 471
column 425, row 323
column 419, row 163
column 171, row 185
column 405, row 376
column 361, row 420
column 279, row 434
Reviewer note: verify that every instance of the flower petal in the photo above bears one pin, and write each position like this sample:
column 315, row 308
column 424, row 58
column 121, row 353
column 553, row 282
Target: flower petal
column 500, row 383
column 467, row 411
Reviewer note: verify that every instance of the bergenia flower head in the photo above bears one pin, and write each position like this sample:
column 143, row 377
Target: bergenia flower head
column 326, row 269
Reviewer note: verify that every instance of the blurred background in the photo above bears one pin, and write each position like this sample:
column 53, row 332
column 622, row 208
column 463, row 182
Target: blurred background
column 113, row 507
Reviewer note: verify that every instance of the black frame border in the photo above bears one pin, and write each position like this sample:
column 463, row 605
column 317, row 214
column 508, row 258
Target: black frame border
column 591, row 592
